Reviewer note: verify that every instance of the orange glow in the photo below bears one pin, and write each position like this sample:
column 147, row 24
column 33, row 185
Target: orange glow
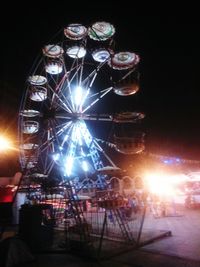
column 6, row 144
column 162, row 184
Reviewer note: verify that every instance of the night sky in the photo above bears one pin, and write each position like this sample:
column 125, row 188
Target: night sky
column 167, row 42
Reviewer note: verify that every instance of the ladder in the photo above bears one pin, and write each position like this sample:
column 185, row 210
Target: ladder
column 123, row 224
column 77, row 212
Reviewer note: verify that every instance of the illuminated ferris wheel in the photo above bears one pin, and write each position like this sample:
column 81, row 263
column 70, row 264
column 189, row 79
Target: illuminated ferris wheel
column 70, row 79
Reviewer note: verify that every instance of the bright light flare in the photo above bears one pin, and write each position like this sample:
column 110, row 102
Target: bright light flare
column 79, row 97
column 85, row 166
column 5, row 144
column 56, row 157
column 163, row 184
column 68, row 165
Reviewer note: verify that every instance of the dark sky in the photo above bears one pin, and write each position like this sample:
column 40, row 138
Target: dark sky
column 167, row 40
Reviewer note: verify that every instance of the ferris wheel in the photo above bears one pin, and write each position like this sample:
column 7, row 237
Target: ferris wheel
column 72, row 76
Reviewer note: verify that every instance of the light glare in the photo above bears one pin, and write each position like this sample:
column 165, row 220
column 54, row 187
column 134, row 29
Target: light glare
column 68, row 165
column 78, row 96
column 163, row 184
column 85, row 166
column 4, row 143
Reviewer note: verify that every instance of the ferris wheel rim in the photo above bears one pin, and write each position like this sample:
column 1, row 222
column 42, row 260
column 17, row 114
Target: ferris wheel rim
column 51, row 118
